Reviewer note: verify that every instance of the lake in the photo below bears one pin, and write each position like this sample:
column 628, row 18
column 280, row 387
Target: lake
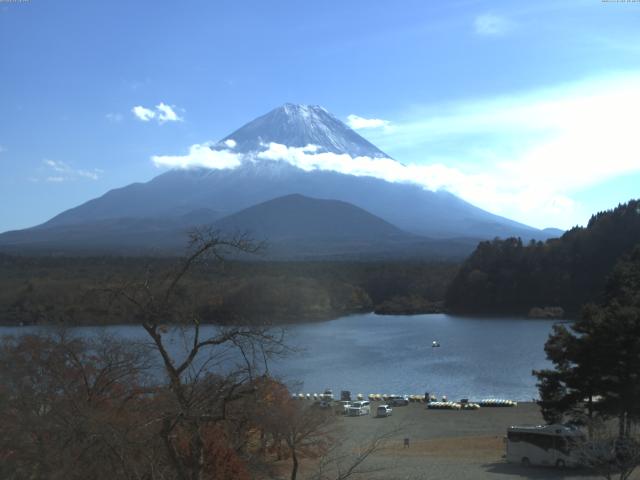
column 478, row 357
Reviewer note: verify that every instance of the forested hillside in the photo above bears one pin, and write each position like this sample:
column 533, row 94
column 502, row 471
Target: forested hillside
column 75, row 290
column 506, row 276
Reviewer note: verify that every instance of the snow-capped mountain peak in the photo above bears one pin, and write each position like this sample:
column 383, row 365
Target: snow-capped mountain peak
column 296, row 125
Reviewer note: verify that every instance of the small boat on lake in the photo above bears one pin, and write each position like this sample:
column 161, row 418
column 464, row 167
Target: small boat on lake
column 435, row 343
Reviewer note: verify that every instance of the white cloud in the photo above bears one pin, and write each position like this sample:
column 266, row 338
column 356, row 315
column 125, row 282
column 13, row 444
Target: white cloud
column 93, row 175
column 200, row 155
column 163, row 113
column 143, row 113
column 493, row 190
column 63, row 172
column 308, row 158
column 167, row 114
column 432, row 177
column 356, row 122
column 489, row 190
column 231, row 143
column 114, row 117
column 526, row 156
column 492, row 25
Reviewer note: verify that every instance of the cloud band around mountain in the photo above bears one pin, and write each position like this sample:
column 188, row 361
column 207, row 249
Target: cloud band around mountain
column 200, row 155
column 310, row 158
column 524, row 156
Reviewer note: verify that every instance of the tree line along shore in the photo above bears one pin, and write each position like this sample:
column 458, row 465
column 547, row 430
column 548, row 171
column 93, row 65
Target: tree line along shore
column 75, row 291
column 508, row 276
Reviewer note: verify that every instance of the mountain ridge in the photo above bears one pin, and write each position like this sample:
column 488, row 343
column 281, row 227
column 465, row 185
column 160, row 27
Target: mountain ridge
column 172, row 194
column 296, row 216
column 294, row 227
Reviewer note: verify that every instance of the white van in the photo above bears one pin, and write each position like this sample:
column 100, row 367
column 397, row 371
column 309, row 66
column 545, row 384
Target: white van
column 384, row 411
column 359, row 408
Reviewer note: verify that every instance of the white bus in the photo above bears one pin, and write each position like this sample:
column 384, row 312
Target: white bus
column 553, row 445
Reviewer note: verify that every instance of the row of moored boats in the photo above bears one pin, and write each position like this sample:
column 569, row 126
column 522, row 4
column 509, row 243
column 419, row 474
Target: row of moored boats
column 432, row 402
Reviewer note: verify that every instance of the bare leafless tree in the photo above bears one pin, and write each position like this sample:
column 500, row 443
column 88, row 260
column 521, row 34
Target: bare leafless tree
column 73, row 408
column 217, row 365
column 304, row 430
column 608, row 454
column 343, row 461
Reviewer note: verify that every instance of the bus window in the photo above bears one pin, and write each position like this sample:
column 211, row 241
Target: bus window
column 542, row 446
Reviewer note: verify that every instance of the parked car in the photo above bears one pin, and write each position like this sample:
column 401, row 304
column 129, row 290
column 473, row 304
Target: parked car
column 384, row 411
column 399, row 400
column 342, row 407
column 359, row 408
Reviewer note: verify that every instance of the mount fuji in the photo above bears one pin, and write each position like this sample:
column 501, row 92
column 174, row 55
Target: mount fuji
column 282, row 154
column 299, row 126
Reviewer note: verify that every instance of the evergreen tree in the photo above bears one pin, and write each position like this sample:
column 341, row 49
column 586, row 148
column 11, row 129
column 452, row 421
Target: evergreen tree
column 505, row 276
column 598, row 358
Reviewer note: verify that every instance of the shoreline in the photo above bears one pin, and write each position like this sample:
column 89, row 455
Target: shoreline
column 284, row 322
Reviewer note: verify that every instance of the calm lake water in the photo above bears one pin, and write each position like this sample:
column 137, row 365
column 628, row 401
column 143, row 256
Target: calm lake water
column 478, row 357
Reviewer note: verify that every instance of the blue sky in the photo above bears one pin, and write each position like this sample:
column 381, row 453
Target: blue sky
column 529, row 110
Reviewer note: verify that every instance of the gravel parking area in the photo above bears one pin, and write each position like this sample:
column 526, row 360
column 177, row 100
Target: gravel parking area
column 446, row 444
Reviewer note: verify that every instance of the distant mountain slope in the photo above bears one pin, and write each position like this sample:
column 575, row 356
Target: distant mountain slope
column 165, row 200
column 294, row 217
column 409, row 207
column 553, row 232
column 293, row 227
column 508, row 277
column 299, row 227
column 138, row 236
